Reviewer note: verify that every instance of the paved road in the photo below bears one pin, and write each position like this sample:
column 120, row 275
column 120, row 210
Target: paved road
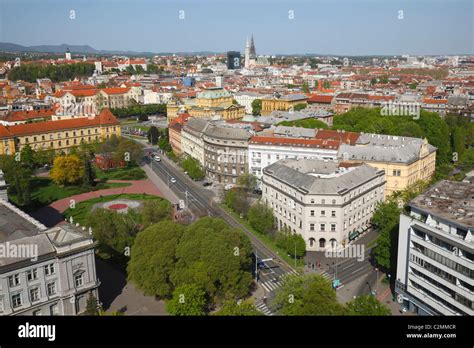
column 201, row 202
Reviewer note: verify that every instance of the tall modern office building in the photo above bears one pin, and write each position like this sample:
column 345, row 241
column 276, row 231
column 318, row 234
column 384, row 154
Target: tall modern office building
column 435, row 268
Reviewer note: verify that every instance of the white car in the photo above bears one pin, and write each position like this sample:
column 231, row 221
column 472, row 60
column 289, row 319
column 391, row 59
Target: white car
column 157, row 159
column 173, row 180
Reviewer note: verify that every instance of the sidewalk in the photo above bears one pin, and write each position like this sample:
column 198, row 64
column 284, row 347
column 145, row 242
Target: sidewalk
column 158, row 182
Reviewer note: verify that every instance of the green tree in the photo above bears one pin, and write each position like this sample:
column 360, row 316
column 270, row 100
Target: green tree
column 153, row 258
column 193, row 167
column 215, row 257
column 154, row 211
column 28, row 157
column 261, row 218
column 238, row 308
column 129, row 151
column 188, row 299
column 153, row 135
column 367, row 306
column 386, row 218
column 256, row 107
column 459, row 135
column 307, row 295
column 247, row 181
column 237, row 200
column 305, row 87
column 299, row 107
column 91, row 306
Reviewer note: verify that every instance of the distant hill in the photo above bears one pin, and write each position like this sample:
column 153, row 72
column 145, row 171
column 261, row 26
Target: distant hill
column 11, row 47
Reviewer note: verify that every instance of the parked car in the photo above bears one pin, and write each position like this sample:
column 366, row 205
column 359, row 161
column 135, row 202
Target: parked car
column 229, row 187
column 157, row 158
column 257, row 191
column 173, row 180
column 206, row 183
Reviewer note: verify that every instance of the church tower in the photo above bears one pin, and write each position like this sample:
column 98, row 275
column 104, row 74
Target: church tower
column 250, row 54
column 68, row 54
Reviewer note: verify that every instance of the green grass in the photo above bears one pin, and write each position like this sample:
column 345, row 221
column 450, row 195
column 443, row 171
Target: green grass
column 266, row 239
column 83, row 208
column 127, row 173
column 45, row 191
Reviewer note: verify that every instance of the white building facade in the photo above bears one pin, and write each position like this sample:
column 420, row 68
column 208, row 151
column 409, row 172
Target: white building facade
column 435, row 267
column 326, row 202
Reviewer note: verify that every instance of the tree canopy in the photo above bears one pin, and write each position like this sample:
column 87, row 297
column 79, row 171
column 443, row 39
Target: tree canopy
column 367, row 305
column 188, row 299
column 208, row 253
column 307, row 295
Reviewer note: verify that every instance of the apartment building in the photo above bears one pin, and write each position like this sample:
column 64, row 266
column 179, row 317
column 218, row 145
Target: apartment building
column 44, row 271
column 58, row 135
column 327, row 202
column 282, row 142
column 225, row 152
column 192, row 143
column 246, row 99
column 405, row 160
column 435, row 268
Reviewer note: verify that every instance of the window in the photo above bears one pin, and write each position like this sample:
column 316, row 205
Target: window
column 14, row 280
column 323, row 227
column 52, row 289
column 323, row 201
column 34, row 295
column 333, row 227
column 32, row 274
column 323, row 212
column 311, row 227
column 312, row 213
column 54, row 309
column 49, row 269
column 78, row 280
column 16, row 300
column 333, row 201
column 2, row 306
column 333, row 213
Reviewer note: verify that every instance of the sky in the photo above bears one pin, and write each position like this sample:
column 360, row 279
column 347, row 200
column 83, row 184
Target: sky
column 339, row 27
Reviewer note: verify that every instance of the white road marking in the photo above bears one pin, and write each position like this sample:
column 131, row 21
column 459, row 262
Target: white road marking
column 358, row 269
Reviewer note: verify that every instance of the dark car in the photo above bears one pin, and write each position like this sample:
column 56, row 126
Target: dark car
column 206, row 183
column 257, row 191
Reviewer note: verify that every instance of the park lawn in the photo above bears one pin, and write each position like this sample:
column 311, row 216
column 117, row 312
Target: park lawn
column 267, row 240
column 45, row 191
column 127, row 173
column 83, row 208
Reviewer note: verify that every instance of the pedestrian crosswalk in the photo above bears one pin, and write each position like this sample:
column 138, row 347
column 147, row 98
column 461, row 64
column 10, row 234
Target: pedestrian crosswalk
column 262, row 307
column 326, row 275
column 275, row 283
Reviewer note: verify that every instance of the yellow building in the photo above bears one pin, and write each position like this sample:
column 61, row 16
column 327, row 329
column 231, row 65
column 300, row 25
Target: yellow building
column 208, row 103
column 282, row 103
column 58, row 135
column 405, row 160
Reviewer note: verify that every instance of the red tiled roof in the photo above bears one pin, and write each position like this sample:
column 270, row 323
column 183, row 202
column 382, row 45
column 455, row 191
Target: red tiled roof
column 104, row 118
column 315, row 98
column 77, row 93
column 345, row 137
column 296, row 142
column 25, row 115
column 435, row 101
column 115, row 90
